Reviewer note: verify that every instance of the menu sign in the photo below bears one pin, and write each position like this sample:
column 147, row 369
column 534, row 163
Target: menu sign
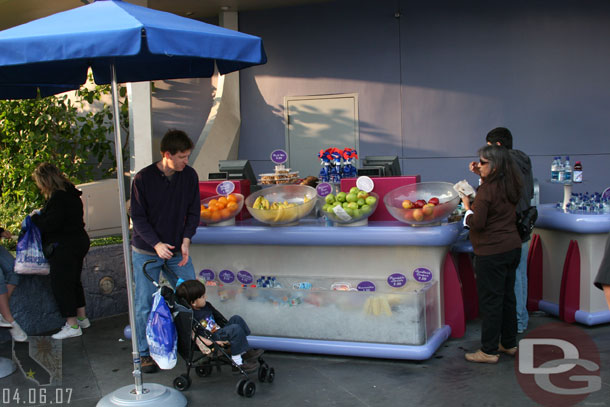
column 279, row 156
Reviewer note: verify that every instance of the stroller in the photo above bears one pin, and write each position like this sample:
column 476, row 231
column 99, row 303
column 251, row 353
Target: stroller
column 189, row 331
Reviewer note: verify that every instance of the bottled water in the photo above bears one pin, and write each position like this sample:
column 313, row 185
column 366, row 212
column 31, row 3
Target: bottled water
column 567, row 171
column 555, row 170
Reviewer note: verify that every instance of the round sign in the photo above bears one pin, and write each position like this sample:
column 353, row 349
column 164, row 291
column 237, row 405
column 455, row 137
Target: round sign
column 606, row 193
column 324, row 188
column 226, row 276
column 397, row 280
column 365, row 286
column 207, row 274
column 279, row 156
column 365, row 183
column 422, row 274
column 244, row 277
column 225, row 188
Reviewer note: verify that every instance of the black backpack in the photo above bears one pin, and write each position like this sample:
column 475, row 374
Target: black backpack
column 526, row 221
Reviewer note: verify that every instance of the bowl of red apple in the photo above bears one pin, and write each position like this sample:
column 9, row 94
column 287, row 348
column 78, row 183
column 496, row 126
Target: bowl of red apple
column 423, row 203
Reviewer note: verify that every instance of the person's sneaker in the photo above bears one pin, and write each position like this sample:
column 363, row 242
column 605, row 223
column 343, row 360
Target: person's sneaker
column 509, row 351
column 248, row 367
column 252, row 355
column 148, row 365
column 17, row 333
column 481, row 357
column 4, row 323
column 67, row 332
column 85, row 323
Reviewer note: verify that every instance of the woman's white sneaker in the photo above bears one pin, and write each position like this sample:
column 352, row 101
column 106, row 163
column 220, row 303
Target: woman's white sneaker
column 4, row 323
column 85, row 323
column 67, row 332
column 17, row 333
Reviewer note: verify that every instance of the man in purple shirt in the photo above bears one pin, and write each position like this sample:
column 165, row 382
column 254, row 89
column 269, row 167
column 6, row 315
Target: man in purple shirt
column 165, row 214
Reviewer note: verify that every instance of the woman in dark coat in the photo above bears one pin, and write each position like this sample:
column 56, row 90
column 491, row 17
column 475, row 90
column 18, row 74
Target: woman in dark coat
column 65, row 243
column 497, row 249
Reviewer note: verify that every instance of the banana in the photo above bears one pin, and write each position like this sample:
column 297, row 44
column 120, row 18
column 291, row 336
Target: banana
column 258, row 202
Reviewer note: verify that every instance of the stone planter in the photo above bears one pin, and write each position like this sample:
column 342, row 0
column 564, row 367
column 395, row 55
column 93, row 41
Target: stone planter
column 103, row 277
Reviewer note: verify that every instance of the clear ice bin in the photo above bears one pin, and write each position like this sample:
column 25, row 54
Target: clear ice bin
column 404, row 316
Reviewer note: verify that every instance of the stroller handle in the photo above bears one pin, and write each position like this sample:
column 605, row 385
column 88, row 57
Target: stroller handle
column 165, row 270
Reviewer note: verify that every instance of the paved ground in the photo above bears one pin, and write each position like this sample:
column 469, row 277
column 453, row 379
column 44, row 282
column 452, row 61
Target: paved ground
column 99, row 362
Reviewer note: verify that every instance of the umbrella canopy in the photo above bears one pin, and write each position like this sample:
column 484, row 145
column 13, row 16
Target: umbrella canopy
column 55, row 52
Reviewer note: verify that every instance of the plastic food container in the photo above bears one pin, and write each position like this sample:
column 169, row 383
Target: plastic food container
column 448, row 200
column 282, row 204
column 220, row 210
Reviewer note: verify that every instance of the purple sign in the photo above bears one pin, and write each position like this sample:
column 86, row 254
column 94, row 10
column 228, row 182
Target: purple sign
column 244, row 277
column 226, row 276
column 207, row 274
column 279, row 156
column 397, row 280
column 422, row 274
column 225, row 188
column 324, row 188
column 366, row 286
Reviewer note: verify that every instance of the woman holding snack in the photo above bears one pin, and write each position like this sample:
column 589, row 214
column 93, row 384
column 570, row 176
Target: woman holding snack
column 491, row 218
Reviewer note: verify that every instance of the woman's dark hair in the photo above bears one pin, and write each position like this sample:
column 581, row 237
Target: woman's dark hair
column 503, row 171
column 190, row 290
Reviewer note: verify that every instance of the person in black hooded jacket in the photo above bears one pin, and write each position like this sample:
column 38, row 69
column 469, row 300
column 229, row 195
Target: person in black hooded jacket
column 65, row 243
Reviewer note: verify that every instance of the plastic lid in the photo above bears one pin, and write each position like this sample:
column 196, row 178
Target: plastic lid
column 365, row 183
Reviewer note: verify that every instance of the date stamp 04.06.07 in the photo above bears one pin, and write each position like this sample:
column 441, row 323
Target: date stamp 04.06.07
column 35, row 396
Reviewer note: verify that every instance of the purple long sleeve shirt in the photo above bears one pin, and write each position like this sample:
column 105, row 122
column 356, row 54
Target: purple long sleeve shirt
column 164, row 209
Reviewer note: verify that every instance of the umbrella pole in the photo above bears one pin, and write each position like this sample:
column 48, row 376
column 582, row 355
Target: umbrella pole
column 137, row 373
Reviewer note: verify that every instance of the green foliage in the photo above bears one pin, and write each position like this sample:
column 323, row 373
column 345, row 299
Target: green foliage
column 72, row 134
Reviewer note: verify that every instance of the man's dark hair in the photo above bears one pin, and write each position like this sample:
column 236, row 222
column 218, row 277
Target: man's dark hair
column 500, row 135
column 190, row 290
column 174, row 141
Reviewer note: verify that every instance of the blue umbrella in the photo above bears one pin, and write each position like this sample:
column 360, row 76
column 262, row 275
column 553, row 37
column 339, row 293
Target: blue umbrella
column 120, row 42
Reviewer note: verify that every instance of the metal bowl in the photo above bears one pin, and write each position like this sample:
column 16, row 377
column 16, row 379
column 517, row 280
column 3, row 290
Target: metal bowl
column 292, row 202
column 447, row 196
column 220, row 217
column 345, row 219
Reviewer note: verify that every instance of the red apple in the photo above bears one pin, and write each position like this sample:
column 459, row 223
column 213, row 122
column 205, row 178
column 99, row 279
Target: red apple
column 428, row 209
column 408, row 215
column 418, row 215
column 434, row 201
column 420, row 203
column 406, row 204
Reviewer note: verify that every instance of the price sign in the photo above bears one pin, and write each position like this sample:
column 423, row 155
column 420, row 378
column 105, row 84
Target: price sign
column 207, row 274
column 366, row 286
column 422, row 274
column 279, row 156
column 225, row 188
column 397, row 280
column 324, row 188
column 244, row 277
column 226, row 276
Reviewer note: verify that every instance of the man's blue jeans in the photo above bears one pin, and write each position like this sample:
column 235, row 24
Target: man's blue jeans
column 521, row 289
column 7, row 273
column 145, row 289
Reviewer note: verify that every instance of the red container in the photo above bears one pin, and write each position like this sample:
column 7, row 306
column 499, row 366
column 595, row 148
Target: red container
column 383, row 185
column 242, row 186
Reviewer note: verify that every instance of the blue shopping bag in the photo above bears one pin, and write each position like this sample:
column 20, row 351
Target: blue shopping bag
column 30, row 258
column 161, row 334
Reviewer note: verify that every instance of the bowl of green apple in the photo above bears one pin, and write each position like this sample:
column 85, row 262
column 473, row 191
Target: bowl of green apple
column 351, row 208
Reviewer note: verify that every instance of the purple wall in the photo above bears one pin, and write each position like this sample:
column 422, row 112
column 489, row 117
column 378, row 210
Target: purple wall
column 434, row 81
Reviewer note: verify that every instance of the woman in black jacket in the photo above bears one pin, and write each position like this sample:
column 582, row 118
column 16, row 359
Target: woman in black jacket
column 65, row 243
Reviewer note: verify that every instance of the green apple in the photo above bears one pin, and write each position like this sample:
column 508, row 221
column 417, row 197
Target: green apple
column 349, row 211
column 326, row 208
column 351, row 197
column 360, row 202
column 362, row 194
column 341, row 196
column 365, row 209
column 330, row 198
column 371, row 200
column 344, row 204
column 352, row 205
column 357, row 213
column 336, row 203
column 353, row 190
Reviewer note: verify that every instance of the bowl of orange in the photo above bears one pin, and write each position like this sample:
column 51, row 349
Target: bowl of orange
column 220, row 210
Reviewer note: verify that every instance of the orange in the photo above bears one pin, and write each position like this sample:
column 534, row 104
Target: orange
column 225, row 213
column 232, row 205
column 212, row 202
column 206, row 213
column 223, row 200
column 221, row 205
column 216, row 216
column 231, row 198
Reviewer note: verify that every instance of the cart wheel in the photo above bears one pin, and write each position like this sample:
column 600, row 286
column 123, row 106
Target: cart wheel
column 249, row 388
column 203, row 371
column 239, row 389
column 262, row 373
column 271, row 375
column 182, row 382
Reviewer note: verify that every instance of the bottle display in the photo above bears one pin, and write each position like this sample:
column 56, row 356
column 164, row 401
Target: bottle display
column 555, row 170
column 560, row 173
column 567, row 171
column 577, row 175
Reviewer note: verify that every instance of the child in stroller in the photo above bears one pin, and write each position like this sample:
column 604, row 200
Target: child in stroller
column 210, row 332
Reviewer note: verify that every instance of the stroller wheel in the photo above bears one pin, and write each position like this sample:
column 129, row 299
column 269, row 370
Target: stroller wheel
column 239, row 389
column 182, row 382
column 271, row 375
column 249, row 388
column 203, row 371
column 262, row 373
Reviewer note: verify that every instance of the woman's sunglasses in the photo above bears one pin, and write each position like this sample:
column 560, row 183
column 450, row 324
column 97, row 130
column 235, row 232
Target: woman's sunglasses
column 482, row 162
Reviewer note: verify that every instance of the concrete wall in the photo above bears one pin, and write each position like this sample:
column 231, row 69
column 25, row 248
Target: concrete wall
column 434, row 80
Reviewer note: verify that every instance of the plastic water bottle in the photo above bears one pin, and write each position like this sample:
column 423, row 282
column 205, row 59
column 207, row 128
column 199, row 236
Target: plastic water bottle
column 567, row 171
column 560, row 173
column 555, row 170
column 577, row 176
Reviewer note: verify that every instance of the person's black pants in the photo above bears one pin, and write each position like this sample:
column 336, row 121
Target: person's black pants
column 66, row 266
column 497, row 302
